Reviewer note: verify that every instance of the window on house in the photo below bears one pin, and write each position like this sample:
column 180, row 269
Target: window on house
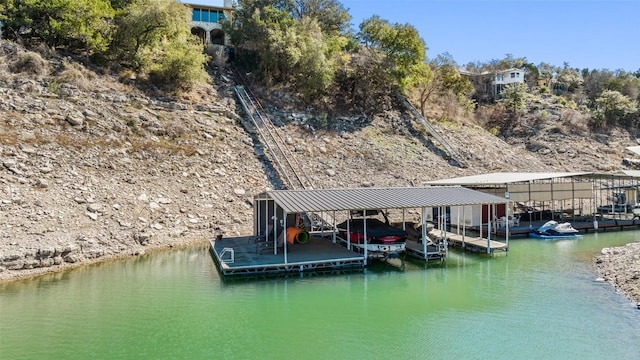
column 196, row 15
column 214, row 16
column 513, row 75
column 498, row 77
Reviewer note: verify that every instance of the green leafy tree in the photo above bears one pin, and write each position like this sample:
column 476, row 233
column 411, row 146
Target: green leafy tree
column 315, row 69
column 294, row 42
column 513, row 97
column 78, row 25
column 140, row 27
column 180, row 63
column 625, row 83
column 331, row 15
column 424, row 83
column 154, row 36
column 400, row 44
column 612, row 107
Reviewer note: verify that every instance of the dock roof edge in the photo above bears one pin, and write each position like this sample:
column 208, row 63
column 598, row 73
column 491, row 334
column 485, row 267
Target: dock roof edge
column 293, row 201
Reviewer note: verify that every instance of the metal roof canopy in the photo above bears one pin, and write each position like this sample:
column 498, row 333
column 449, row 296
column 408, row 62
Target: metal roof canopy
column 634, row 149
column 507, row 178
column 294, row 201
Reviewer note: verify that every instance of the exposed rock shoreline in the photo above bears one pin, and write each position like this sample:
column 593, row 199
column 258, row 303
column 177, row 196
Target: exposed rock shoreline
column 92, row 169
column 620, row 266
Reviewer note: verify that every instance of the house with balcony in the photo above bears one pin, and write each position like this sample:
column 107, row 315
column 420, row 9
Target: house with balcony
column 206, row 22
column 489, row 84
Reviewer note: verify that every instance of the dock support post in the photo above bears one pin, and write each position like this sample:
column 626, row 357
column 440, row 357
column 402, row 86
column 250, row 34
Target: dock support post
column 284, row 238
column 424, row 233
column 348, row 233
column 366, row 243
column 334, row 227
column 492, row 212
column 275, row 223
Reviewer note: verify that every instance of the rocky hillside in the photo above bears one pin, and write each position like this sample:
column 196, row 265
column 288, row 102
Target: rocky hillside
column 92, row 168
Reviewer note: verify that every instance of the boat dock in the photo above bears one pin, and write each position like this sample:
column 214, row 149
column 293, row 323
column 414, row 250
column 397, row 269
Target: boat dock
column 415, row 249
column 475, row 244
column 243, row 256
column 583, row 225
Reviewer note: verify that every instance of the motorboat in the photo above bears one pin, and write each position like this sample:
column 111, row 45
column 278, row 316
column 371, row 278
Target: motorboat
column 381, row 237
column 554, row 230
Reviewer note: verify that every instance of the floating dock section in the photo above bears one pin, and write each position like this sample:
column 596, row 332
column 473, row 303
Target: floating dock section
column 243, row 256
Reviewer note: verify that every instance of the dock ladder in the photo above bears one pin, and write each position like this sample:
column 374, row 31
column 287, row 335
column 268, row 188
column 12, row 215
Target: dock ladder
column 232, row 255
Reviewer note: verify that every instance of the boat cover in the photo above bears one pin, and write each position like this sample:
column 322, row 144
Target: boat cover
column 375, row 228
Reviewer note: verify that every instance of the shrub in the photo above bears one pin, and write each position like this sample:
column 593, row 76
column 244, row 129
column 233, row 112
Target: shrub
column 30, row 63
column 77, row 75
column 180, row 66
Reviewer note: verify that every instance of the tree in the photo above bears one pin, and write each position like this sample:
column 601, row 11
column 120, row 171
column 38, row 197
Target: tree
column 180, row 64
column 549, row 74
column 625, row 83
column 154, row 36
column 595, row 82
column 77, row 25
column 315, row 69
column 331, row 15
column 513, row 97
column 400, row 44
column 425, row 82
column 365, row 82
column 612, row 107
column 143, row 24
column 570, row 80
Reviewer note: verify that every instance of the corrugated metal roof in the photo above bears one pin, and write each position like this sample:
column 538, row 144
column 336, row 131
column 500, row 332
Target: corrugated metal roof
column 504, row 178
column 629, row 173
column 634, row 149
column 293, row 201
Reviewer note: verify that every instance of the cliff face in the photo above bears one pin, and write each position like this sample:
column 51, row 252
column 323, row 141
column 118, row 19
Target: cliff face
column 92, row 168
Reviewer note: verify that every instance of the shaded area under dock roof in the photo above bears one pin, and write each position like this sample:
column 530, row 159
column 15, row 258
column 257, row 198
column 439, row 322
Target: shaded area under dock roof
column 294, row 201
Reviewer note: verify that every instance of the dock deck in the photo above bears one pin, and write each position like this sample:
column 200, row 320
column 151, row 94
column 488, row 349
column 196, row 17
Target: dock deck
column 240, row 256
column 476, row 244
column 415, row 249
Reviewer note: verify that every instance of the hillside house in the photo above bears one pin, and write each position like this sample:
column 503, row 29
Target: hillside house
column 205, row 22
column 489, row 84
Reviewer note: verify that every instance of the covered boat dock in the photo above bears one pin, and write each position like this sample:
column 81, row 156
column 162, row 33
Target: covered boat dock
column 590, row 201
column 278, row 214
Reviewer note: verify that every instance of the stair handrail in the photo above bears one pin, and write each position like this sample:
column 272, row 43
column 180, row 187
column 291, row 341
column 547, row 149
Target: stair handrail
column 453, row 154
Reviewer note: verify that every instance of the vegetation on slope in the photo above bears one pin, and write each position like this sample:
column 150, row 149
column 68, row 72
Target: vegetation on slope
column 150, row 39
column 308, row 48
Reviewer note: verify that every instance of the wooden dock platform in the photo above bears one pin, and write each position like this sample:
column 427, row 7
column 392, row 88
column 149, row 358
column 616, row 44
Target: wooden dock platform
column 241, row 256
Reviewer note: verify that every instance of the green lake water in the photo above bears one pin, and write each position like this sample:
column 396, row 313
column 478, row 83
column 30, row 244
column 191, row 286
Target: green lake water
column 541, row 301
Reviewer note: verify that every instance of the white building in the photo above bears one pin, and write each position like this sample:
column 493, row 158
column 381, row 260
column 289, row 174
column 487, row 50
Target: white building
column 489, row 84
column 503, row 78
